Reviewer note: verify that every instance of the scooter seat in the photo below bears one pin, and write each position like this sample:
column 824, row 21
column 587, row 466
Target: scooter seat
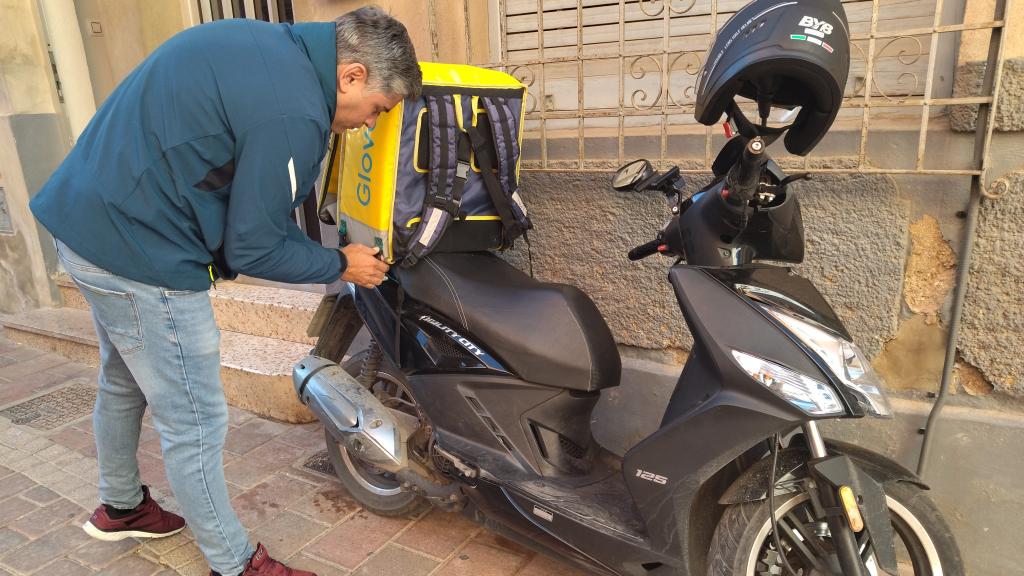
column 547, row 333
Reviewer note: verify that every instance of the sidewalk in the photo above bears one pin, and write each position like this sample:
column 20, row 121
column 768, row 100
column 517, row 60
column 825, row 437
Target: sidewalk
column 48, row 477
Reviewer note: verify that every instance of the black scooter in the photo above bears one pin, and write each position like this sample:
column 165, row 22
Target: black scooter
column 477, row 390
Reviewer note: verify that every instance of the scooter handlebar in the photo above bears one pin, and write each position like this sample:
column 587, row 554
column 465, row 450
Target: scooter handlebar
column 743, row 177
column 644, row 250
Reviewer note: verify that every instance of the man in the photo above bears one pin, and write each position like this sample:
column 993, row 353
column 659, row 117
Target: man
column 190, row 171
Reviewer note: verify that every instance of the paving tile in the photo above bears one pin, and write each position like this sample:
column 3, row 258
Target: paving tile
column 480, row 560
column 40, row 495
column 31, row 366
column 152, row 469
column 310, row 564
column 72, row 439
column 161, row 546
column 17, row 436
column 13, row 508
column 488, row 538
column 287, row 534
column 97, row 553
column 41, row 471
column 15, row 483
column 238, row 416
column 438, row 533
column 54, row 451
column 181, row 555
column 330, row 504
column 394, row 560
column 543, row 565
column 65, row 567
column 20, row 353
column 47, row 518
column 268, row 499
column 350, row 543
column 46, row 549
column 306, row 437
column 9, row 540
column 252, row 434
column 197, row 567
column 87, row 496
column 260, row 463
column 132, row 566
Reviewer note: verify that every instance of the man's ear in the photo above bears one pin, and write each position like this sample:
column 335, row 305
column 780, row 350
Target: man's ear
column 351, row 76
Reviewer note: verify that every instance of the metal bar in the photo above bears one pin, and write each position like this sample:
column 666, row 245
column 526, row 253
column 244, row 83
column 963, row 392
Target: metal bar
column 469, row 38
column 666, row 87
column 228, row 8
column 982, row 139
column 579, row 78
column 272, row 12
column 714, row 35
column 529, row 166
column 934, row 29
column 688, row 107
column 622, row 82
column 922, row 138
column 542, row 102
column 250, row 9
column 868, row 73
column 814, row 441
column 207, row 10
column 432, row 28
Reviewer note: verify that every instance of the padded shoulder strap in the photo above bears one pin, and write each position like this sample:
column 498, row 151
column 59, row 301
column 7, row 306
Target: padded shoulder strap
column 506, row 147
column 449, row 168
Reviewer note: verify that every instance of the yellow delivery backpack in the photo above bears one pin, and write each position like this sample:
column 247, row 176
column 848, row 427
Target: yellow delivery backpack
column 440, row 173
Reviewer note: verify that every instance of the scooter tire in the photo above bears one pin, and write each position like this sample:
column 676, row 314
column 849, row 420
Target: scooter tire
column 400, row 504
column 741, row 533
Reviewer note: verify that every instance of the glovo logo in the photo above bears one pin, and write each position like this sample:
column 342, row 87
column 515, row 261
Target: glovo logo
column 364, row 190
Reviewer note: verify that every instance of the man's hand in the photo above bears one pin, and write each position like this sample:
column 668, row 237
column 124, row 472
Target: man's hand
column 364, row 268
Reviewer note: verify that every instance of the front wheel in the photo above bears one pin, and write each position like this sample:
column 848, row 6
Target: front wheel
column 743, row 544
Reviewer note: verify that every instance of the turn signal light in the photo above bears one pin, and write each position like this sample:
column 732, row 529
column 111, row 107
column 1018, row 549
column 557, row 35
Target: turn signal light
column 849, row 502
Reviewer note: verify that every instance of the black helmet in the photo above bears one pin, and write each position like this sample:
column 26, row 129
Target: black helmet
column 783, row 53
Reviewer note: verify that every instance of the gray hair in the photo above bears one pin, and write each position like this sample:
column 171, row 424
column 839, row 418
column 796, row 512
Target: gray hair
column 371, row 37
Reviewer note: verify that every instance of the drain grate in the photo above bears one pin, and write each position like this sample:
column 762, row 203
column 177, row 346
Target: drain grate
column 320, row 463
column 56, row 408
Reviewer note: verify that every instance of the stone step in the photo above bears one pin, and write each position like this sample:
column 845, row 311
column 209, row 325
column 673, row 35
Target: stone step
column 270, row 312
column 255, row 370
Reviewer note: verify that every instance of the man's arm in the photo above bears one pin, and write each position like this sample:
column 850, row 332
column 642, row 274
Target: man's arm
column 261, row 239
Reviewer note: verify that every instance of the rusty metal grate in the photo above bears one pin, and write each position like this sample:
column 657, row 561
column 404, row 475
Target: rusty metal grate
column 55, row 409
column 320, row 463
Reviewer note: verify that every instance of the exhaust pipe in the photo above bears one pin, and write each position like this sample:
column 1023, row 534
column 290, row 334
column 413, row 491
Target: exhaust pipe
column 351, row 413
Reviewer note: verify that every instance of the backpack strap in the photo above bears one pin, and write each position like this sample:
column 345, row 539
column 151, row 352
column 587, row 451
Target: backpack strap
column 506, row 145
column 511, row 228
column 449, row 168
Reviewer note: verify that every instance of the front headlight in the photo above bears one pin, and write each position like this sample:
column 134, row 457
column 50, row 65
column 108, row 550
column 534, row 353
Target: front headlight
column 806, row 393
column 846, row 361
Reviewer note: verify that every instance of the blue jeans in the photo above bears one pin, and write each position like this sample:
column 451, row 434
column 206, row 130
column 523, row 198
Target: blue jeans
column 161, row 348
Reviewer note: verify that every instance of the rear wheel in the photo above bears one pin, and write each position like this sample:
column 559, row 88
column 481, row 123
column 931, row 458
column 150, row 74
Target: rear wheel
column 376, row 490
column 743, row 544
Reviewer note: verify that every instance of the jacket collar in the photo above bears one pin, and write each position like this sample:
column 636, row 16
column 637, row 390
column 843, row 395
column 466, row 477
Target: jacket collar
column 317, row 40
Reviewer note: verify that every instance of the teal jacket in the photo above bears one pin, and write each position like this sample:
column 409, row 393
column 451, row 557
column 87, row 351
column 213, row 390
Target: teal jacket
column 199, row 158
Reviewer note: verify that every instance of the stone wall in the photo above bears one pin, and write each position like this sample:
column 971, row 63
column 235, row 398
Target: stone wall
column 883, row 253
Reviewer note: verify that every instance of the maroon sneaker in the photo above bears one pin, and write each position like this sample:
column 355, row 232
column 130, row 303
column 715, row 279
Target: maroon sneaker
column 261, row 564
column 148, row 520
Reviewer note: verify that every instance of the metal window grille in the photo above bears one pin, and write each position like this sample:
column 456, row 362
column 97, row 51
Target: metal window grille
column 612, row 80
column 200, row 11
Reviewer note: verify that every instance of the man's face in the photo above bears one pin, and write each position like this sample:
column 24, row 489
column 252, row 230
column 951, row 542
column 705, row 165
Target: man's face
column 357, row 105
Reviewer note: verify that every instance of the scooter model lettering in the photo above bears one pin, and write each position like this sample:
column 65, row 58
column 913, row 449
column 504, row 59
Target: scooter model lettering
column 657, row 479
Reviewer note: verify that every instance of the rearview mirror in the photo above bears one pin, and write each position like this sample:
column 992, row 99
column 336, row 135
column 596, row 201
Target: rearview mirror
column 631, row 174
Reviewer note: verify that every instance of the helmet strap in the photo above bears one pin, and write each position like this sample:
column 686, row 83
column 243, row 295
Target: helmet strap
column 748, row 129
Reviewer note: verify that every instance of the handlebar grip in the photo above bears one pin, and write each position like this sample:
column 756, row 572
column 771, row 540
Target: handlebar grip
column 743, row 177
column 644, row 250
